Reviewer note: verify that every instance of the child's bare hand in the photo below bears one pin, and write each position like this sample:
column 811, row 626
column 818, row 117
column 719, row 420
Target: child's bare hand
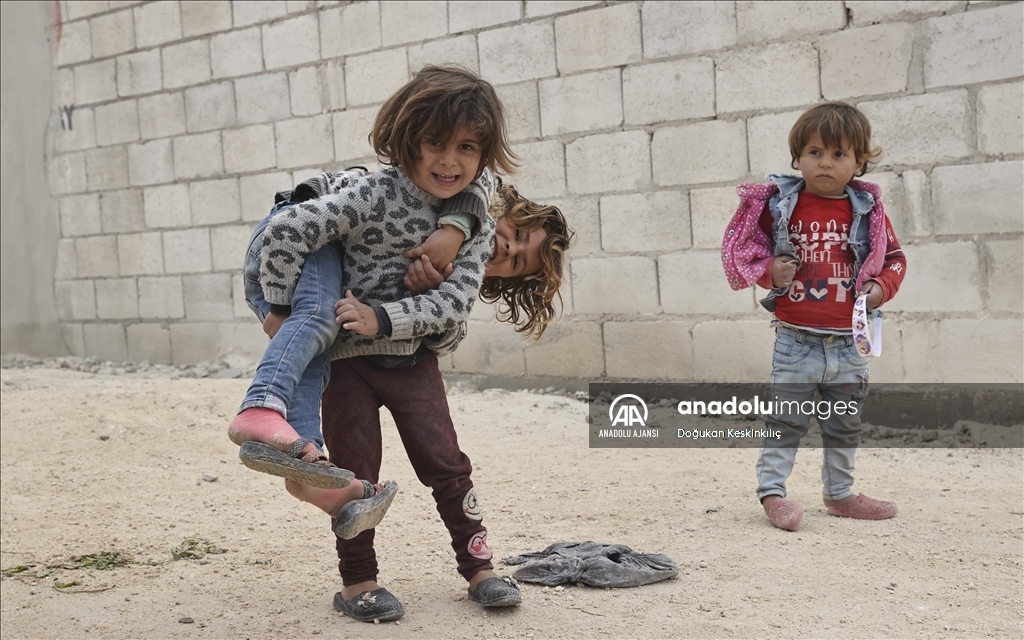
column 272, row 324
column 873, row 291
column 422, row 276
column 440, row 248
column 356, row 316
column 783, row 270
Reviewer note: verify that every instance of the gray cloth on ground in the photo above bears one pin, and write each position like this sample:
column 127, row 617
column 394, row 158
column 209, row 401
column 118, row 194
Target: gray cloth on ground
column 593, row 564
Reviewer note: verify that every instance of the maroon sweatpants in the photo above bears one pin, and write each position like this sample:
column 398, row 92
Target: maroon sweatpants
column 416, row 398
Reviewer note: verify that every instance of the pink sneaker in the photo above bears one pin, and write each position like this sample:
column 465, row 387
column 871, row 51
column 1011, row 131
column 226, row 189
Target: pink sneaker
column 786, row 514
column 862, row 508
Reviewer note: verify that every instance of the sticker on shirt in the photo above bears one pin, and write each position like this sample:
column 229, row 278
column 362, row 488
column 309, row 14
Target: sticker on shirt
column 478, row 546
column 470, row 507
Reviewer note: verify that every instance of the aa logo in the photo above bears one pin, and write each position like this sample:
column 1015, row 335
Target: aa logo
column 628, row 412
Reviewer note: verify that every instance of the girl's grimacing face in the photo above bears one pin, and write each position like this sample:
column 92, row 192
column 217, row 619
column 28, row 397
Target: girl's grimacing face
column 445, row 168
column 827, row 170
column 516, row 252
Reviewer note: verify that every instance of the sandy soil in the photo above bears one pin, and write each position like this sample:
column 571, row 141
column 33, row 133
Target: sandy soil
column 95, row 462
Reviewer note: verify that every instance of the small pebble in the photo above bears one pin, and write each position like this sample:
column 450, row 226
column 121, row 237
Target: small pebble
column 703, row 565
column 104, row 437
column 186, row 620
column 207, row 477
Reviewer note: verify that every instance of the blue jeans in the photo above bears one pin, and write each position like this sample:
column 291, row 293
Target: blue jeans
column 296, row 366
column 802, row 363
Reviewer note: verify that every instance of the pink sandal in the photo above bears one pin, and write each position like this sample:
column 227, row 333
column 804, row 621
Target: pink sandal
column 786, row 514
column 863, row 508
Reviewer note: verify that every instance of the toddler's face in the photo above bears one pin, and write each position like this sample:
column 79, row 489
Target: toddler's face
column 827, row 170
column 445, row 168
column 516, row 252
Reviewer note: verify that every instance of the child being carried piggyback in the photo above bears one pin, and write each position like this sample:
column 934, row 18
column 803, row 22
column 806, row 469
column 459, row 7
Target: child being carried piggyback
column 818, row 241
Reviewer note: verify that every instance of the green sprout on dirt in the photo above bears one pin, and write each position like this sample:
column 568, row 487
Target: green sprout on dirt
column 193, row 549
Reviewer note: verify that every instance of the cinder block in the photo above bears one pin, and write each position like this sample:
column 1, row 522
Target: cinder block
column 262, row 98
column 924, row 129
column 542, row 172
column 187, row 251
column 570, row 349
column 106, row 168
column 402, row 22
column 106, row 342
column 167, row 206
column 75, row 299
column 624, row 285
column 768, row 140
column 759, row 22
column 66, row 86
column 117, row 123
column 75, row 43
column 65, row 269
column 150, row 162
column 80, row 215
column 210, row 107
column 676, row 28
column 981, row 350
column 236, row 53
column 609, row 162
column 1005, row 260
column 694, row 282
column 461, row 50
column 161, row 298
column 675, row 162
column 999, row 118
column 198, row 156
column 306, row 92
column 121, row 211
column 673, row 90
column 96, row 257
column 645, row 222
column 96, row 82
column 243, row 338
column 161, row 116
column 85, row 8
column 372, row 77
column 290, row 42
column 149, row 343
column 492, row 348
column 972, row 47
column 157, row 23
column 239, row 305
column 67, row 173
column 139, row 72
column 733, row 351
column 941, row 278
column 351, row 129
column 74, row 339
column 140, row 254
column 710, row 212
column 116, row 299
column 257, row 193
column 599, row 38
column 561, row 100
column 872, row 60
column 352, row 28
column 917, row 219
column 208, row 16
column 186, row 63
column 978, row 198
column 305, row 141
column 534, row 44
column 208, row 296
column 249, row 149
column 465, row 16
column 229, row 245
column 248, row 12
column 332, row 77
column 648, row 350
column 193, row 342
column 522, row 110
column 112, row 34
column 746, row 79
column 871, row 11
column 538, row 8
column 582, row 214
column 215, row 202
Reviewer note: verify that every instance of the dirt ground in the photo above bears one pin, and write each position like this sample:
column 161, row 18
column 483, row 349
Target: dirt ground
column 139, row 464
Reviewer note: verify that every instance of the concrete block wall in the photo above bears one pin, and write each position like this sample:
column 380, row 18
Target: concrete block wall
column 177, row 121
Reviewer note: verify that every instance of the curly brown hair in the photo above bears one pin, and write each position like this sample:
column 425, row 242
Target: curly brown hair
column 436, row 103
column 528, row 302
column 835, row 122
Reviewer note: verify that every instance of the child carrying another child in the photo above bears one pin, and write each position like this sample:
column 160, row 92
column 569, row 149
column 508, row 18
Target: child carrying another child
column 818, row 241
